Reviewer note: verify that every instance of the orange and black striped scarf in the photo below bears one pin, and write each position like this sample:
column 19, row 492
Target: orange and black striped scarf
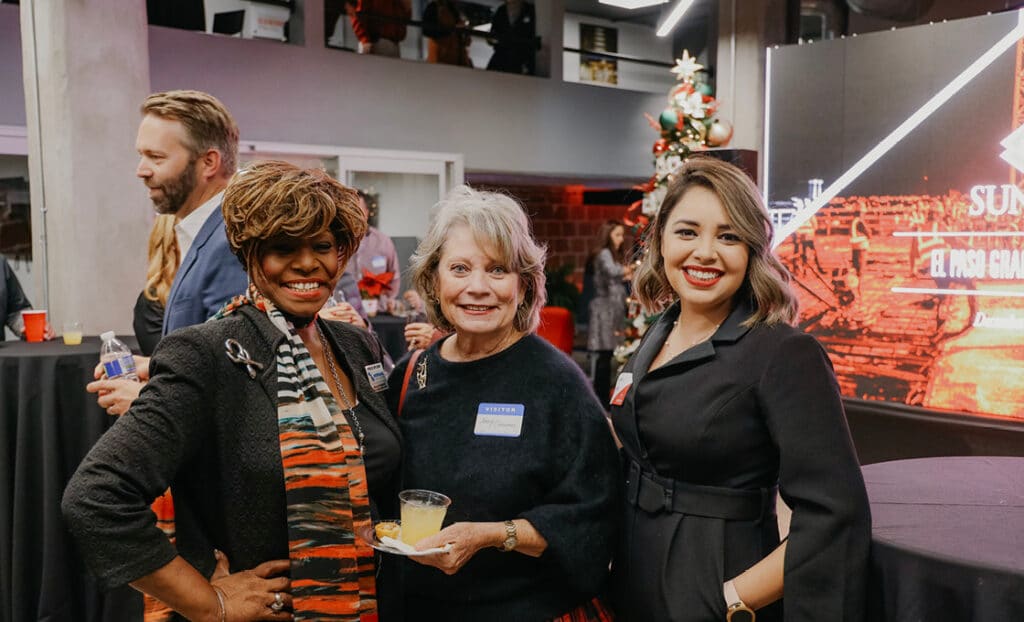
column 332, row 571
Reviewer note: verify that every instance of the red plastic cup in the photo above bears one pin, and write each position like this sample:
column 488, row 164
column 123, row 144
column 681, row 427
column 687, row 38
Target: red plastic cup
column 35, row 324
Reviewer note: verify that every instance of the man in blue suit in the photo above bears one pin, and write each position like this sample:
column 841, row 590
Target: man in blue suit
column 188, row 150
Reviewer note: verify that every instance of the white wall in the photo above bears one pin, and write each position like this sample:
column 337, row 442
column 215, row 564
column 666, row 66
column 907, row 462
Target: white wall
column 633, row 40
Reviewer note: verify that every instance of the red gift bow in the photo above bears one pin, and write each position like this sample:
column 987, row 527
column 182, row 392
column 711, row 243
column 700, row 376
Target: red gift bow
column 372, row 285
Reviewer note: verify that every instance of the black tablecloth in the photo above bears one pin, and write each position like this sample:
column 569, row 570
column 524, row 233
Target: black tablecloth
column 48, row 425
column 948, row 539
column 391, row 332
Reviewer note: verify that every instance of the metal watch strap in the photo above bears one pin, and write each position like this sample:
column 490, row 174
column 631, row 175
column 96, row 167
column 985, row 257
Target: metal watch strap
column 511, row 537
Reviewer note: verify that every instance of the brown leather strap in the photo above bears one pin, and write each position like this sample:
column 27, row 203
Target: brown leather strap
column 405, row 379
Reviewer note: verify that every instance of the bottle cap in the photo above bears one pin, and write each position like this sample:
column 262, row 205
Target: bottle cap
column 107, row 336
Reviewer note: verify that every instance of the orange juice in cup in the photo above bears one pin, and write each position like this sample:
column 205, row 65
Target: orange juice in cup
column 72, row 333
column 422, row 513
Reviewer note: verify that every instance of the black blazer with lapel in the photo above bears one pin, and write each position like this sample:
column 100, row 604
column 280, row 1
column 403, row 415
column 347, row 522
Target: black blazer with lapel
column 747, row 409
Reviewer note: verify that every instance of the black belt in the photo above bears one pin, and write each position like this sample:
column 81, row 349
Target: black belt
column 652, row 493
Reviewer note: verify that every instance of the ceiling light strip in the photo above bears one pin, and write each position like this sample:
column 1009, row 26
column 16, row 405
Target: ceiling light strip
column 904, row 128
column 632, row 4
column 673, row 17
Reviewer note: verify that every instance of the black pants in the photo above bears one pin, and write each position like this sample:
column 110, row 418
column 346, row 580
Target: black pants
column 603, row 375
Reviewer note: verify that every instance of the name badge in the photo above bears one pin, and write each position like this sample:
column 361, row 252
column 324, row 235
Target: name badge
column 622, row 385
column 379, row 262
column 499, row 420
column 378, row 379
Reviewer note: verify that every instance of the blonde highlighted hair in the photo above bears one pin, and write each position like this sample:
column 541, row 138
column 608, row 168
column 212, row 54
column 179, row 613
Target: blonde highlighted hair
column 207, row 122
column 270, row 199
column 496, row 221
column 163, row 259
column 766, row 284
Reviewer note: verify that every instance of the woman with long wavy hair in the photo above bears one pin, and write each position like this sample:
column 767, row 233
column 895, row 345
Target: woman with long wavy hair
column 162, row 265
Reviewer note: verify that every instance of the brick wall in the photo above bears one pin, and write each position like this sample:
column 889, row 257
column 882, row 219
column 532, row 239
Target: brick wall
column 563, row 221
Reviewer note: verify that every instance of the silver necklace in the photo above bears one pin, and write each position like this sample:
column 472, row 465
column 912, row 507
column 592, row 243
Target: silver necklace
column 705, row 337
column 350, row 408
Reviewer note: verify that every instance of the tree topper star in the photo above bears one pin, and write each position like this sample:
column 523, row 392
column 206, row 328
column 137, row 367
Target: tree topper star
column 686, row 66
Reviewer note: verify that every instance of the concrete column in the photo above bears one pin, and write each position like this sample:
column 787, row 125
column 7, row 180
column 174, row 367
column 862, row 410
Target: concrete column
column 86, row 71
column 745, row 29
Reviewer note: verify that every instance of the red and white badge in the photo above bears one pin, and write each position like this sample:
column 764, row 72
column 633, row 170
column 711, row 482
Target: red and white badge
column 622, row 385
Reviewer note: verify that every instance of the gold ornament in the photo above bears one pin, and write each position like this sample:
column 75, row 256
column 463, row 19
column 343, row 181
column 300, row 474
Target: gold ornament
column 720, row 134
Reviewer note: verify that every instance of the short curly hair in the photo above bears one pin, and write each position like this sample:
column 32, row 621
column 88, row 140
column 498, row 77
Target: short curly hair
column 270, row 198
column 496, row 220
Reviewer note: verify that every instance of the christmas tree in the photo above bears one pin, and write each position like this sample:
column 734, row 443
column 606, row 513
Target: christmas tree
column 688, row 125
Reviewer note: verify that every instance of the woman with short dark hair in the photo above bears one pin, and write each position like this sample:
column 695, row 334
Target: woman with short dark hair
column 266, row 422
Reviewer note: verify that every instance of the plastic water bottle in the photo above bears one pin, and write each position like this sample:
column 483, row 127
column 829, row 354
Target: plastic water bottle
column 116, row 358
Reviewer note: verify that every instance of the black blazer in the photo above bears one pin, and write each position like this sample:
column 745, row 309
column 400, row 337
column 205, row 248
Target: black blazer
column 205, row 428
column 748, row 409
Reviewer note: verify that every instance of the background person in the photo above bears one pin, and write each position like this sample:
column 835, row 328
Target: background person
column 12, row 300
column 722, row 400
column 514, row 37
column 607, row 308
column 148, row 316
column 443, row 22
column 188, row 150
column 376, row 255
column 233, row 432
column 533, row 516
column 380, row 25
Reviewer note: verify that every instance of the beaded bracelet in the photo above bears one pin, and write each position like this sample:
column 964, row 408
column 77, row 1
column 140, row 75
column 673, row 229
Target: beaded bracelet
column 220, row 601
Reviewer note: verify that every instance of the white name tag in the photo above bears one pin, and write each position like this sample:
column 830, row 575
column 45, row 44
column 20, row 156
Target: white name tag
column 378, row 379
column 622, row 386
column 499, row 420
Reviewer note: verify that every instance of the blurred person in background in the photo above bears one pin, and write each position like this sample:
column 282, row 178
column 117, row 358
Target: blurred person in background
column 379, row 25
column 163, row 256
column 376, row 255
column 514, row 37
column 12, row 300
column 607, row 316
column 188, row 150
column 443, row 26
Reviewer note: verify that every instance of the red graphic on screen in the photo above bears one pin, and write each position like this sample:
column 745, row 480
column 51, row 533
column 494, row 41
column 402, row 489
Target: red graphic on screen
column 918, row 299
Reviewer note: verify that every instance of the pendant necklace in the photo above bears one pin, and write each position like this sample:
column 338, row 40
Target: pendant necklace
column 704, row 337
column 349, row 405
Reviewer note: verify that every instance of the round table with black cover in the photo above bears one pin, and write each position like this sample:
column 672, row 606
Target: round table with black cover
column 947, row 539
column 49, row 424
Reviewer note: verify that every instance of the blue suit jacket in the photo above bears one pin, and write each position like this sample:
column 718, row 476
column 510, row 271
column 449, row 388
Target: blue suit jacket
column 208, row 276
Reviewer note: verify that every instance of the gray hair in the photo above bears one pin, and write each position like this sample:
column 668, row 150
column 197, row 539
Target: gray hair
column 496, row 220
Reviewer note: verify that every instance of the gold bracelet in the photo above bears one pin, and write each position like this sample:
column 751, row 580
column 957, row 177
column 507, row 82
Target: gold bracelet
column 220, row 601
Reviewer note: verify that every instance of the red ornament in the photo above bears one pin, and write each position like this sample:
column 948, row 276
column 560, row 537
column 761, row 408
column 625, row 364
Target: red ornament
column 660, row 146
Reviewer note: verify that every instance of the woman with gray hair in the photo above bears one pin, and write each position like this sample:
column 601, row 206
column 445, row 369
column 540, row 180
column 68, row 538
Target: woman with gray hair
column 505, row 425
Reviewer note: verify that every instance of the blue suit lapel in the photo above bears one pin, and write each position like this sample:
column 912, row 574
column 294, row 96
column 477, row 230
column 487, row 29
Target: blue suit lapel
column 213, row 222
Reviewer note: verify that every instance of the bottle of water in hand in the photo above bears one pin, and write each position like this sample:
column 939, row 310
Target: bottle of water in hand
column 116, row 358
